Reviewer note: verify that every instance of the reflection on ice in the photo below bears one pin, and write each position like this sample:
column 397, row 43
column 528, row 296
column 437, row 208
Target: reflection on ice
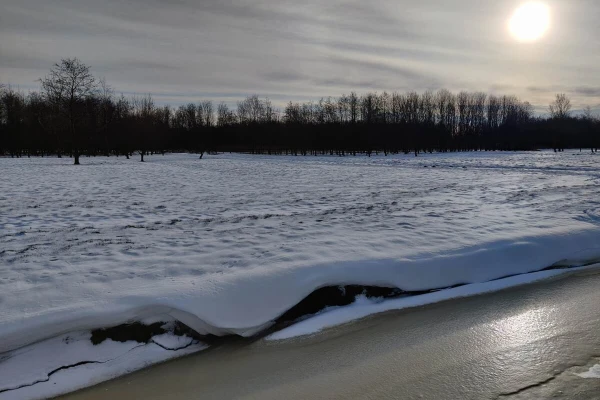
column 519, row 329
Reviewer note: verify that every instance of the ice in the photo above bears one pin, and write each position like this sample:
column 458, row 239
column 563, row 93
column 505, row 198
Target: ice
column 170, row 341
column 228, row 243
column 70, row 362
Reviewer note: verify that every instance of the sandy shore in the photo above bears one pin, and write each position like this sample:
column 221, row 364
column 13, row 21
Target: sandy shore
column 501, row 344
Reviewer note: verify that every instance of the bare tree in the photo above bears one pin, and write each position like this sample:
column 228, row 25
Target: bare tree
column 353, row 105
column 243, row 112
column 412, row 102
column 68, row 85
column 193, row 116
column 493, row 112
column 427, row 106
column 2, row 88
column 225, row 116
column 369, row 108
column 396, row 108
column 293, row 113
column 107, row 110
column 343, row 106
column 144, row 111
column 588, row 115
column 208, row 113
column 3, row 108
column 12, row 116
column 561, row 107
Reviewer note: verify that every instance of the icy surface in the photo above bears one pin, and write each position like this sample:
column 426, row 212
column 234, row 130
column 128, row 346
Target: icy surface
column 227, row 243
column 70, row 362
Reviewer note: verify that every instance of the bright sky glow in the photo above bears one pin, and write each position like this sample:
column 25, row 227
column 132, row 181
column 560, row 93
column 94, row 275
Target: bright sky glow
column 530, row 22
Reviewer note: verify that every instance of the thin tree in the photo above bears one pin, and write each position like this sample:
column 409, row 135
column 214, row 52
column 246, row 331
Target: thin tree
column 561, row 107
column 106, row 109
column 588, row 115
column 68, row 85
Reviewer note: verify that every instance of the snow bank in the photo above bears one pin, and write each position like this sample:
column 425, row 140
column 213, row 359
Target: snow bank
column 363, row 306
column 248, row 301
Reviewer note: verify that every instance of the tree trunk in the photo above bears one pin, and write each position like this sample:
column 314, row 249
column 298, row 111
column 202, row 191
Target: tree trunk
column 142, row 156
column 73, row 135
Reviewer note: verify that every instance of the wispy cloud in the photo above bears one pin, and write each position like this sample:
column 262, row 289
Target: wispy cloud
column 182, row 50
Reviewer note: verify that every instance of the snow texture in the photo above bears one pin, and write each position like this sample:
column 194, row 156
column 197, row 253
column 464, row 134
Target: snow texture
column 228, row 243
column 593, row 373
column 70, row 362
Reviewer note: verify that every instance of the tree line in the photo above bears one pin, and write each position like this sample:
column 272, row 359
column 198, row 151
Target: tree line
column 75, row 114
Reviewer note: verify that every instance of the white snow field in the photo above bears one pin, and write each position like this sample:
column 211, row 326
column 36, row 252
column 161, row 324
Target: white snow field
column 228, row 243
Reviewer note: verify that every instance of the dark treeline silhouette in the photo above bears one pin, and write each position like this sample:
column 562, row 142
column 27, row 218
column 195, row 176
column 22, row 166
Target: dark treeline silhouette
column 75, row 114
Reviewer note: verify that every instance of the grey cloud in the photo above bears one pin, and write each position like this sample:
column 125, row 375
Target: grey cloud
column 535, row 89
column 376, row 68
column 291, row 50
column 163, row 67
column 501, row 87
column 340, row 82
column 284, row 76
column 14, row 58
column 588, row 91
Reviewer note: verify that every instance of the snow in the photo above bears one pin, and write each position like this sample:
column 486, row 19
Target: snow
column 228, row 243
column 29, row 368
column 170, row 341
column 593, row 373
column 363, row 306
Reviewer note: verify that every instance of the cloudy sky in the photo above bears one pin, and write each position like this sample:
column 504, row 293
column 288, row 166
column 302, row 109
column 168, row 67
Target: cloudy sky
column 188, row 50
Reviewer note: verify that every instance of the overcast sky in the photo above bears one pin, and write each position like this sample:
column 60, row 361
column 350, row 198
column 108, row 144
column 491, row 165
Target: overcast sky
column 189, row 50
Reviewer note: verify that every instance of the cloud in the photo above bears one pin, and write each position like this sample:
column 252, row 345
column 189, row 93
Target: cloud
column 588, row 91
column 284, row 76
column 182, row 50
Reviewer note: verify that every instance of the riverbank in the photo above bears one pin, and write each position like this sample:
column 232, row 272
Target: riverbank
column 501, row 344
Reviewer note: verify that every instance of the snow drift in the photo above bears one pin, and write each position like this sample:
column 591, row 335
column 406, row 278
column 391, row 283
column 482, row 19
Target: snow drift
column 249, row 301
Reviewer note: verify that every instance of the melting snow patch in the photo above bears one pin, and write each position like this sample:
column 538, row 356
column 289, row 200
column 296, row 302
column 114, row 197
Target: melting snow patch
column 593, row 373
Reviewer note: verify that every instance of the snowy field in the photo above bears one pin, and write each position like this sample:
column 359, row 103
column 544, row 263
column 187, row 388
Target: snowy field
column 228, row 243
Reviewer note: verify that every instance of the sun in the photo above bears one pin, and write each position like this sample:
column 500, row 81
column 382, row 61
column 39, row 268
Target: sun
column 530, row 22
